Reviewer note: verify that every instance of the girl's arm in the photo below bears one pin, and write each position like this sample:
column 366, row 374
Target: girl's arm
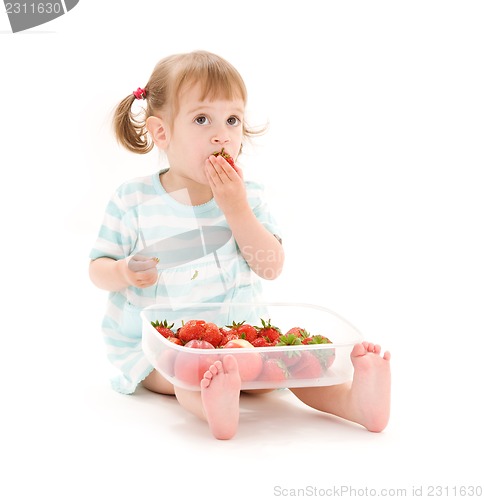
column 261, row 249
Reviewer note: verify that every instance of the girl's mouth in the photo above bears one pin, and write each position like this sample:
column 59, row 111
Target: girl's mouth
column 225, row 155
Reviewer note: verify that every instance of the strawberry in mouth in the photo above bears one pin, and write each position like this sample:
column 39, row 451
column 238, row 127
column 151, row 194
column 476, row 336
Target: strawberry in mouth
column 225, row 155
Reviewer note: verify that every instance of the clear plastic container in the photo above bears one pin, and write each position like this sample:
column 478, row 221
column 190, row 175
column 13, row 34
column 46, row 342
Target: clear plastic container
column 259, row 367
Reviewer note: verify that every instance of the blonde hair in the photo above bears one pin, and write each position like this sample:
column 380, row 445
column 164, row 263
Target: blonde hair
column 217, row 77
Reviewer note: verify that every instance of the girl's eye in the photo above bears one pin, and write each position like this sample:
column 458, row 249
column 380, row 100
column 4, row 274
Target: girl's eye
column 201, row 120
column 233, row 120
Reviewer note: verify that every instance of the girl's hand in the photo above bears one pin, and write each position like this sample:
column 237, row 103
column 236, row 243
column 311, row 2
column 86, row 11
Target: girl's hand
column 227, row 184
column 140, row 271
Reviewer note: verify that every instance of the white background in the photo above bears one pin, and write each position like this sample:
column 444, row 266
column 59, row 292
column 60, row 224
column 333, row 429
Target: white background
column 372, row 165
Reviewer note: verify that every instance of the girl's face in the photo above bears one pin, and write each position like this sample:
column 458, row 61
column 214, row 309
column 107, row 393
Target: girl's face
column 201, row 128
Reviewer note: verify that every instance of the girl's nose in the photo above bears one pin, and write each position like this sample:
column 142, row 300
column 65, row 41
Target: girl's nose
column 220, row 138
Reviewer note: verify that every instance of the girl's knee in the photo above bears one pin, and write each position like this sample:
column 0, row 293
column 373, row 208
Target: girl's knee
column 155, row 382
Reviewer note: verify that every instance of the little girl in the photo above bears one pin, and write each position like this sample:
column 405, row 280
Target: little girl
column 195, row 105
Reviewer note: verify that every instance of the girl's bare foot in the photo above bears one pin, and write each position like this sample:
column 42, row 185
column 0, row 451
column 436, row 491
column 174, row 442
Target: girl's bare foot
column 220, row 391
column 370, row 390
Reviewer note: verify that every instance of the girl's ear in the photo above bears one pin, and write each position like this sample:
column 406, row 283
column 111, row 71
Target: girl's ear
column 158, row 130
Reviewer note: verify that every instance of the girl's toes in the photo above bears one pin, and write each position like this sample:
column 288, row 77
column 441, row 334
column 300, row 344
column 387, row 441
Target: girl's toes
column 216, row 367
column 359, row 349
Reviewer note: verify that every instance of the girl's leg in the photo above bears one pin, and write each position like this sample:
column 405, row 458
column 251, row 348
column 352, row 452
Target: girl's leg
column 190, row 400
column 218, row 400
column 155, row 382
column 366, row 400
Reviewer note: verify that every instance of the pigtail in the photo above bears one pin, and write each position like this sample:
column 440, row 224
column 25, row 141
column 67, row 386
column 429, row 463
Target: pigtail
column 130, row 128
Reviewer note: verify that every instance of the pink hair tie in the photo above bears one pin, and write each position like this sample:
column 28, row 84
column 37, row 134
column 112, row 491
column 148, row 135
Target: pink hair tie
column 140, row 93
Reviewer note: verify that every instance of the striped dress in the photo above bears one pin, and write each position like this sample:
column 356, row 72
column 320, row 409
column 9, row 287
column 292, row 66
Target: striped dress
column 138, row 217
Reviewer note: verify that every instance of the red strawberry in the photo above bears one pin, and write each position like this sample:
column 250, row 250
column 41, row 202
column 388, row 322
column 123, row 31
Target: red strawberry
column 262, row 342
column 298, row 332
column 316, row 339
column 197, row 329
column 191, row 330
column 244, row 331
column 190, row 366
column 288, row 357
column 274, row 370
column 307, row 367
column 227, row 337
column 225, row 155
column 175, row 340
column 325, row 356
column 289, row 339
column 163, row 328
column 211, row 333
column 267, row 330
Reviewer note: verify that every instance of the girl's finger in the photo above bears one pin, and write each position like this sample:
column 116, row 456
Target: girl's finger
column 224, row 169
column 213, row 171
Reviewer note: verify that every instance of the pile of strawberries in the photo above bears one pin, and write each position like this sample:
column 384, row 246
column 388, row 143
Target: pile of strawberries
column 265, row 335
column 271, row 368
